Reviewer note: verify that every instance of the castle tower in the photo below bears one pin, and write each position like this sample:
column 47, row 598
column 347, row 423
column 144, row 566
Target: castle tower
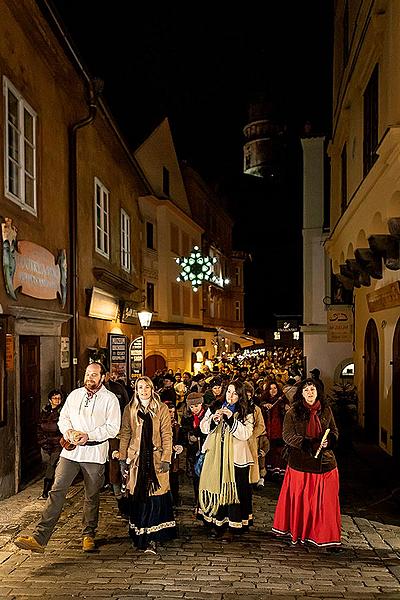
column 264, row 142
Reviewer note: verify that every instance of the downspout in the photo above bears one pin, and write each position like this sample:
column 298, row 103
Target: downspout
column 95, row 89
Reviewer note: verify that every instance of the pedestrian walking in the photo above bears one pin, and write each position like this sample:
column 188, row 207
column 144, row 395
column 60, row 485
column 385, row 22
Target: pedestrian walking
column 274, row 406
column 89, row 417
column 194, row 438
column 145, row 452
column 225, row 494
column 48, row 436
column 308, row 508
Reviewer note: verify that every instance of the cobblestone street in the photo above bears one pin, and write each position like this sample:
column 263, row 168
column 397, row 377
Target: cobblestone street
column 258, row 566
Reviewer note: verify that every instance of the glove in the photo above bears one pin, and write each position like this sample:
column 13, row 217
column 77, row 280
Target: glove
column 164, row 466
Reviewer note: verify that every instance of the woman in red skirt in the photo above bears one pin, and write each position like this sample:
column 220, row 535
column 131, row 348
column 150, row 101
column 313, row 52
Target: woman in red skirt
column 308, row 507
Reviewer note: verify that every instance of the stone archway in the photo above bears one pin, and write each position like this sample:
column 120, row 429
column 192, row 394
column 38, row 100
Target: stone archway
column 371, row 382
column 396, row 392
column 154, row 363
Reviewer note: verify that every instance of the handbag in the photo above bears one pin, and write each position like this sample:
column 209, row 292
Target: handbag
column 198, row 463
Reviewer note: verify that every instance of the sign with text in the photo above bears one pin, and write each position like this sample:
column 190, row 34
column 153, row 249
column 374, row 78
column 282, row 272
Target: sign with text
column 386, row 297
column 64, row 353
column 340, row 323
column 118, row 353
column 9, row 352
column 288, row 325
column 136, row 357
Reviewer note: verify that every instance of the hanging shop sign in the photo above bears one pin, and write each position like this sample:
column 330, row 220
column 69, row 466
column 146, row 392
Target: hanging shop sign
column 386, row 297
column 32, row 269
column 136, row 365
column 340, row 323
column 118, row 353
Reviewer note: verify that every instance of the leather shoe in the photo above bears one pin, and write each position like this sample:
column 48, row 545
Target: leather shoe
column 28, row 542
column 88, row 544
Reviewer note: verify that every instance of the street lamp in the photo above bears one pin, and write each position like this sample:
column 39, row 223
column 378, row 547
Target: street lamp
column 144, row 317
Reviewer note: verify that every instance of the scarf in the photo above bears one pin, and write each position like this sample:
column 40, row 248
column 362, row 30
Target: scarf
column 147, row 482
column 232, row 407
column 217, row 486
column 314, row 428
column 197, row 419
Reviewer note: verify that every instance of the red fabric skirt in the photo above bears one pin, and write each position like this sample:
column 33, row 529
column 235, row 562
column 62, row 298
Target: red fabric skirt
column 308, row 508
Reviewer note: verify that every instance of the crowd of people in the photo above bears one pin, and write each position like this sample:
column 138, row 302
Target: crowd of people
column 230, row 429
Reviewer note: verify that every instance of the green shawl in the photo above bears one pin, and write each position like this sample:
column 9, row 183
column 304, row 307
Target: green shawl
column 217, row 486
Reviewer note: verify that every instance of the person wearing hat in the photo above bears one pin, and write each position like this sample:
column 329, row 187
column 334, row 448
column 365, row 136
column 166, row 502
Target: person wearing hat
column 198, row 383
column 214, row 392
column 193, row 437
column 316, row 377
column 168, row 392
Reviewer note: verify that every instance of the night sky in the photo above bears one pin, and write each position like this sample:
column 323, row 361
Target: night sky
column 201, row 64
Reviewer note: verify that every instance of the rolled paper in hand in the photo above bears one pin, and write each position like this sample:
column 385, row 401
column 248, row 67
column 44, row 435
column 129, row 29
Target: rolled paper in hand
column 322, row 442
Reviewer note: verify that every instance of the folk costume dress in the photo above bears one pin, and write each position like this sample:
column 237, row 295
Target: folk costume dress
column 146, row 440
column 225, row 495
column 308, row 507
column 273, row 418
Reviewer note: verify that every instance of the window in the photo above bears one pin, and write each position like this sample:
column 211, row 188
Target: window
column 237, row 276
column 20, row 149
column 165, row 181
column 174, row 232
column 176, row 299
column 343, row 160
column 150, row 235
column 150, row 296
column 237, row 310
column 196, row 304
column 371, row 121
column 102, row 218
column 125, row 241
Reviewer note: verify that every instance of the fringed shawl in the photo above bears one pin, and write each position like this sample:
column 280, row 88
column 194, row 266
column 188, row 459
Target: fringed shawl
column 217, row 485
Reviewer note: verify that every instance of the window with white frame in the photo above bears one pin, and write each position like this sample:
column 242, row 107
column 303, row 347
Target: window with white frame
column 125, row 241
column 20, row 149
column 102, row 218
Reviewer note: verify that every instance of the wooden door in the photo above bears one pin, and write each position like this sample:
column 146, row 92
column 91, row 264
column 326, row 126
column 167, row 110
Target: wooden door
column 30, row 406
column 153, row 363
column 396, row 392
column 371, row 382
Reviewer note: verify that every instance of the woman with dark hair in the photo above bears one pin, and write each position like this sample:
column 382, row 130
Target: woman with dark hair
column 145, row 451
column 274, row 406
column 48, row 436
column 308, row 506
column 225, row 495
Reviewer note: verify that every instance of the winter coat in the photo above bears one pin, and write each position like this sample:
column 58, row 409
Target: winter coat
column 48, row 434
column 241, row 433
column 129, row 444
column 302, row 449
column 259, row 429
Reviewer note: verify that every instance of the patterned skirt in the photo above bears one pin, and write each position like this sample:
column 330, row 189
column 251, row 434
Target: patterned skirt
column 235, row 516
column 152, row 520
column 308, row 508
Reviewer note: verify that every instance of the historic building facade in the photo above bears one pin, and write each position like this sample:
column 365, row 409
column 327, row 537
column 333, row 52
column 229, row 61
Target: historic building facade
column 365, row 202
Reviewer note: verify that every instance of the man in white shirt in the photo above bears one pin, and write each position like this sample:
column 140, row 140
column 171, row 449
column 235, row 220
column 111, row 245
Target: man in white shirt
column 90, row 416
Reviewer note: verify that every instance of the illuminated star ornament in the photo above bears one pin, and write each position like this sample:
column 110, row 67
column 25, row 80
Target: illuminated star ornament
column 197, row 268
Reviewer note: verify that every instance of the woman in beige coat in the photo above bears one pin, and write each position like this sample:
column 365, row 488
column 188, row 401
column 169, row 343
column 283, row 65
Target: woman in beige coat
column 145, row 454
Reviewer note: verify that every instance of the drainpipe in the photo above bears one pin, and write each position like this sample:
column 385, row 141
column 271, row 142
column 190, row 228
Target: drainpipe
column 95, row 89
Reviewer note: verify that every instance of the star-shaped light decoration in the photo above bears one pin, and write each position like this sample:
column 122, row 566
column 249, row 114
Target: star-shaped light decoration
column 197, row 268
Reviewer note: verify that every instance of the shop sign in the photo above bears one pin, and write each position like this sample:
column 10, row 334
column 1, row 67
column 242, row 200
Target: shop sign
column 340, row 323
column 64, row 362
column 386, row 297
column 31, row 268
column 9, row 352
column 198, row 342
column 288, row 326
column 118, row 352
column 136, row 357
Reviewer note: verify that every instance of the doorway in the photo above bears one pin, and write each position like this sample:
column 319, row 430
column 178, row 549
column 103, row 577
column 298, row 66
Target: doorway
column 396, row 392
column 31, row 463
column 371, row 382
column 154, row 363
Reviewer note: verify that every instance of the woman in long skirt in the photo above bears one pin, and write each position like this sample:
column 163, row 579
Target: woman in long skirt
column 145, row 452
column 308, row 508
column 225, row 495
